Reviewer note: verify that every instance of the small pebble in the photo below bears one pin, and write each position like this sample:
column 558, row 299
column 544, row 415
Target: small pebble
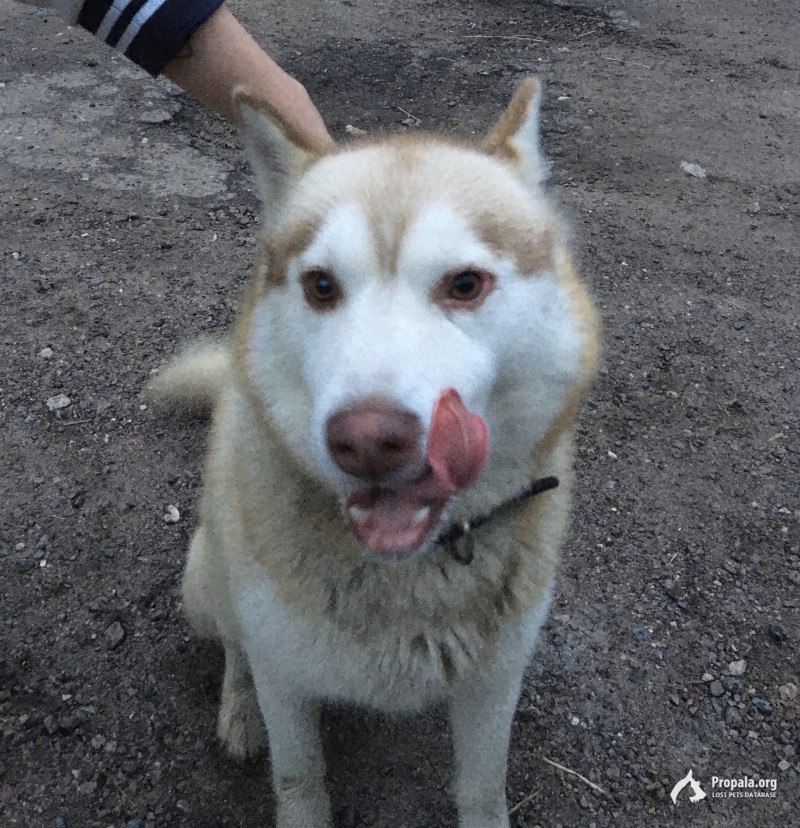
column 788, row 691
column 58, row 402
column 733, row 718
column 762, row 706
column 716, row 689
column 115, row 634
column 46, row 353
column 783, row 765
column 737, row 668
column 171, row 514
column 731, row 685
column 693, row 169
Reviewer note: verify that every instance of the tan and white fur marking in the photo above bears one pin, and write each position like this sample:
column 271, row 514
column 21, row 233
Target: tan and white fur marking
column 305, row 611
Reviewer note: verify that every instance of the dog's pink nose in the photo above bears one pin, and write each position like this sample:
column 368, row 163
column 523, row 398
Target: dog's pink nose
column 373, row 438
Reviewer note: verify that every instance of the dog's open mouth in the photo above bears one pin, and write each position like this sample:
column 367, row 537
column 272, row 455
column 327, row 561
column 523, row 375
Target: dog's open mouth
column 393, row 521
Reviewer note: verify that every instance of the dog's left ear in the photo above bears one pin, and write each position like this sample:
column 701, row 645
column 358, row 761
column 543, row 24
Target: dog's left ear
column 515, row 137
column 278, row 151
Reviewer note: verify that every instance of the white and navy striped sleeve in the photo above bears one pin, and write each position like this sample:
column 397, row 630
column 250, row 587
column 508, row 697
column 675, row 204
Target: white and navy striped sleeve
column 150, row 32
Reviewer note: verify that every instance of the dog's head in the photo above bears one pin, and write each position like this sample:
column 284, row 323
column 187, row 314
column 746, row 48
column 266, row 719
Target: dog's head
column 416, row 329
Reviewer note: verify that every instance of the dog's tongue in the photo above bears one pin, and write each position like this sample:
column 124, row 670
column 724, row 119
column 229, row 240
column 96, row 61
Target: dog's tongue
column 458, row 443
column 391, row 521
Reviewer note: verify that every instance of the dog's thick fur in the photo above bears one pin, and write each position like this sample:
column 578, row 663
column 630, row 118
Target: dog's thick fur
column 304, row 611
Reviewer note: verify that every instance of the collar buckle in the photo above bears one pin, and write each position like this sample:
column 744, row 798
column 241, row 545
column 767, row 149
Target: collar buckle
column 458, row 539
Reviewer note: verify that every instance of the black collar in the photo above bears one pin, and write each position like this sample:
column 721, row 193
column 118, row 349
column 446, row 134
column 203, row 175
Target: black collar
column 457, row 538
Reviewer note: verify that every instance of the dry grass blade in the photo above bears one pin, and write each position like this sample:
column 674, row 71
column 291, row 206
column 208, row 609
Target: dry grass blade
column 506, row 37
column 580, row 776
column 523, row 802
column 417, row 121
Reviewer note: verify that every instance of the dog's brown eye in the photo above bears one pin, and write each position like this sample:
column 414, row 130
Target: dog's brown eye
column 321, row 289
column 464, row 288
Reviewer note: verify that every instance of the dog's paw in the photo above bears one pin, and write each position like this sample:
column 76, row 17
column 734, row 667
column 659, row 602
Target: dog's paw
column 240, row 727
column 489, row 811
column 477, row 821
column 302, row 802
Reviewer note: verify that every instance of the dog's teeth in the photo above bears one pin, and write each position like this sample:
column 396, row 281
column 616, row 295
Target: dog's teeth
column 358, row 513
column 421, row 514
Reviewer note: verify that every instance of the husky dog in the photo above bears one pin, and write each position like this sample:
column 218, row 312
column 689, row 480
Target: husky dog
column 380, row 523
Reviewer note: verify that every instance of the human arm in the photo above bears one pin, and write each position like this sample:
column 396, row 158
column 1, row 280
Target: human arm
column 197, row 44
column 221, row 55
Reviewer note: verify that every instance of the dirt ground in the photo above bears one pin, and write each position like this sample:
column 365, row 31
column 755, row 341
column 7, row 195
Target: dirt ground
column 127, row 226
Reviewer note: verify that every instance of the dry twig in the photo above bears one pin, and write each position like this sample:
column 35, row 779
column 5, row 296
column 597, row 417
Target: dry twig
column 523, row 802
column 417, row 121
column 507, row 37
column 575, row 773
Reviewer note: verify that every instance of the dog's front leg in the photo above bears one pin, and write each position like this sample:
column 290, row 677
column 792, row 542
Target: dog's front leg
column 481, row 710
column 482, row 707
column 239, row 726
column 298, row 766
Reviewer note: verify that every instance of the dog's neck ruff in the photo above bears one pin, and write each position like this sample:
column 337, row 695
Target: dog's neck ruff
column 457, row 538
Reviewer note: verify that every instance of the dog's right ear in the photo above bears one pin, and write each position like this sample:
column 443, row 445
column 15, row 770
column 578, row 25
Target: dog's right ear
column 279, row 152
column 515, row 137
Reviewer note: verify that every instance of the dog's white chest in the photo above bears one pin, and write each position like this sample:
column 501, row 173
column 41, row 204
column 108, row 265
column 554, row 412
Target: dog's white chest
column 396, row 668
column 390, row 671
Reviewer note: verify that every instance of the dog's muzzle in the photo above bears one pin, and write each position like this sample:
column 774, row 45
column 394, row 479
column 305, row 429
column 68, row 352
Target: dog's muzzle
column 380, row 444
